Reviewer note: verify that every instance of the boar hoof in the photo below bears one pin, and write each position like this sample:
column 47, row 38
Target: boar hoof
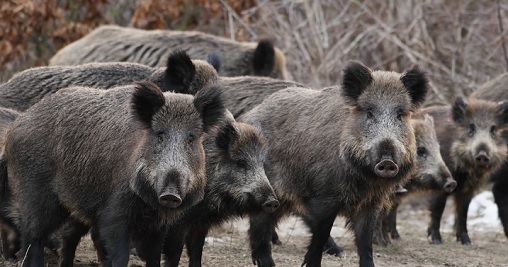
column 170, row 200
column 464, row 239
column 394, row 234
column 386, row 168
column 271, row 205
column 435, row 237
column 263, row 262
column 334, row 251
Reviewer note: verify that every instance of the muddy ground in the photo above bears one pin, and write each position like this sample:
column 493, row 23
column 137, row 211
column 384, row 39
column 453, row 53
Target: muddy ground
column 228, row 245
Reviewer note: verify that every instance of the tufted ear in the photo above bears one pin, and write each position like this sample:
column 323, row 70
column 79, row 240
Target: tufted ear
column 263, row 59
column 459, row 109
column 416, row 82
column 180, row 71
column 215, row 60
column 146, row 100
column 357, row 77
column 502, row 107
column 226, row 136
column 210, row 104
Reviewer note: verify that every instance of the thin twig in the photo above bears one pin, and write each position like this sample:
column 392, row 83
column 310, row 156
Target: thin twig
column 500, row 21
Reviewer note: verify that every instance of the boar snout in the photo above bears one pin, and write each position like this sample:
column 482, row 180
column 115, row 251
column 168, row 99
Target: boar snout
column 271, row 205
column 170, row 198
column 450, row 185
column 482, row 159
column 386, row 168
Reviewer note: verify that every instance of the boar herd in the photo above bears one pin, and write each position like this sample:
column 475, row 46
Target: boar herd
column 147, row 139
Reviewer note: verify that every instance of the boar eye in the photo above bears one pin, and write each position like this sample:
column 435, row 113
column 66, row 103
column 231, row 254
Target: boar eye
column 493, row 129
column 370, row 115
column 472, row 129
column 190, row 139
column 241, row 163
column 421, row 151
column 160, row 136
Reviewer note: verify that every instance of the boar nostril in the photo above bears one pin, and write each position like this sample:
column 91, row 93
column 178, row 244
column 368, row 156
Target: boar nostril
column 449, row 185
column 482, row 159
column 170, row 200
column 386, row 168
column 271, row 205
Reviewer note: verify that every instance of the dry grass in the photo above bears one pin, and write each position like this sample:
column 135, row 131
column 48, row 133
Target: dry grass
column 461, row 44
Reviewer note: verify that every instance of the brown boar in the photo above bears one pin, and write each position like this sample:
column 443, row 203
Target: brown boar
column 472, row 147
column 111, row 43
column 340, row 150
column 128, row 161
column 180, row 74
column 495, row 90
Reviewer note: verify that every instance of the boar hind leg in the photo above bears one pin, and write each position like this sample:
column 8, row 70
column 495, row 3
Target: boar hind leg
column 437, row 207
column 275, row 237
column 195, row 242
column 320, row 225
column 331, row 248
column 260, row 235
column 500, row 191
column 461, row 206
column 390, row 223
column 173, row 245
column 71, row 236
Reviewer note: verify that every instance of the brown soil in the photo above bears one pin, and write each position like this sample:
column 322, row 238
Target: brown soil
column 228, row 246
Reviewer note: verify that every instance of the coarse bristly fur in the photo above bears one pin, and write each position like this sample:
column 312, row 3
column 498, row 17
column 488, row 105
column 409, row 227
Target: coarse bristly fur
column 495, row 90
column 469, row 133
column 179, row 74
column 111, row 43
column 97, row 159
column 236, row 186
column 325, row 152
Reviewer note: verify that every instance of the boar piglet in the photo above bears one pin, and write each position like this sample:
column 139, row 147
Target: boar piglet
column 469, row 134
column 128, row 161
column 337, row 151
column 494, row 90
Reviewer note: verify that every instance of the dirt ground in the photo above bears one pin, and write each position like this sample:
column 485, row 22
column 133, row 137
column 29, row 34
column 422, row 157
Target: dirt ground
column 228, row 246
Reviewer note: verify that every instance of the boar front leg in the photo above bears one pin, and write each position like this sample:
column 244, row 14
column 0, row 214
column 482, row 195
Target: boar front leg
column 437, row 207
column 461, row 207
column 363, row 225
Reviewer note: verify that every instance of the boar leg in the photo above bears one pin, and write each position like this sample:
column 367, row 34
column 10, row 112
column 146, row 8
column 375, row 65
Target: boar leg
column 173, row 245
column 71, row 235
column 331, row 248
column 378, row 237
column 363, row 225
column 461, row 206
column 260, row 235
column 275, row 237
column 320, row 227
column 10, row 241
column 115, row 233
column 437, row 207
column 195, row 242
column 98, row 244
column 500, row 191
column 151, row 242
column 390, row 223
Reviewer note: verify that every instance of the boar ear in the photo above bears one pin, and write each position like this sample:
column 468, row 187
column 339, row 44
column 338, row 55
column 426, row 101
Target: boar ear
column 459, row 109
column 263, row 59
column 210, row 104
column 180, row 72
column 429, row 120
column 416, row 82
column 146, row 100
column 226, row 135
column 215, row 60
column 502, row 106
column 356, row 78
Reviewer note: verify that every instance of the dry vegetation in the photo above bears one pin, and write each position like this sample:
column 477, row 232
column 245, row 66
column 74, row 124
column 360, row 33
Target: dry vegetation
column 461, row 43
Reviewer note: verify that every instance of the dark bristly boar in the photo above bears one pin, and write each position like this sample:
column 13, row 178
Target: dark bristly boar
column 180, row 74
column 431, row 175
column 469, row 134
column 8, row 225
column 495, row 90
column 236, row 186
column 128, row 161
column 337, row 151
column 111, row 43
